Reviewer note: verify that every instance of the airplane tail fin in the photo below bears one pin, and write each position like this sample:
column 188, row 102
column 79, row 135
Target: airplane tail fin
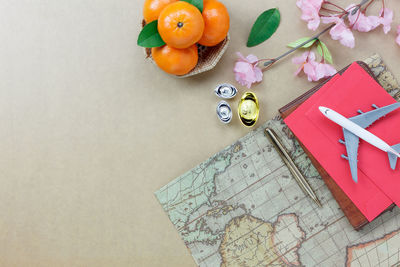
column 393, row 157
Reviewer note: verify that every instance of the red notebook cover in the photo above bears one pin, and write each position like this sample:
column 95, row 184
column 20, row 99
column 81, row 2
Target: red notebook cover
column 354, row 90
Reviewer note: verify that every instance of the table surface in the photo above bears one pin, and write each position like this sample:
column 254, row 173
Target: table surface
column 90, row 129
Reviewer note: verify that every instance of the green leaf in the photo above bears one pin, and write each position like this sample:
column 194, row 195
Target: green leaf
column 149, row 36
column 302, row 40
column 324, row 51
column 265, row 25
column 196, row 3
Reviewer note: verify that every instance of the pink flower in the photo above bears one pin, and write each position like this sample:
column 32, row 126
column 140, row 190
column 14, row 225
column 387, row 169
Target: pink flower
column 324, row 70
column 304, row 60
column 314, row 70
column 307, row 64
column 362, row 23
column 246, row 70
column 340, row 31
column 386, row 19
column 398, row 37
column 310, row 12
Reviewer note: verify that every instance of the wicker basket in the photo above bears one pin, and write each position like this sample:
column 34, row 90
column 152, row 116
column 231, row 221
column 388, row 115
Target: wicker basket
column 208, row 57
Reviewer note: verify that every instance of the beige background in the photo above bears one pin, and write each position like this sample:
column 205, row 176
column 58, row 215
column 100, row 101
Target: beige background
column 90, row 129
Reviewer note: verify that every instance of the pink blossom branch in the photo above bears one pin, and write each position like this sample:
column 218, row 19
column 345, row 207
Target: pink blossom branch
column 270, row 62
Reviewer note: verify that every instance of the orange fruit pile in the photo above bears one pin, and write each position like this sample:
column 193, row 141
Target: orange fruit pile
column 181, row 26
column 216, row 21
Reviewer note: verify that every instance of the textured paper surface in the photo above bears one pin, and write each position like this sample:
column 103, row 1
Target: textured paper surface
column 90, row 129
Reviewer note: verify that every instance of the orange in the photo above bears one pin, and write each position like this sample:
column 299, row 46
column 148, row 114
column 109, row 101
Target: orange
column 175, row 61
column 153, row 8
column 216, row 20
column 180, row 24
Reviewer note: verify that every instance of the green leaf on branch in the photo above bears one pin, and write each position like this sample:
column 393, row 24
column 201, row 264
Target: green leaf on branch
column 196, row 3
column 324, row 52
column 266, row 24
column 149, row 36
column 300, row 41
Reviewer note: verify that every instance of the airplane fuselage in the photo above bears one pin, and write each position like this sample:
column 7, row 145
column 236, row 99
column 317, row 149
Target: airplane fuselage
column 357, row 130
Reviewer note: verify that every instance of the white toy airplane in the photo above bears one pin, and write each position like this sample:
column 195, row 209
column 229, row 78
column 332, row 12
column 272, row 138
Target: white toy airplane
column 354, row 128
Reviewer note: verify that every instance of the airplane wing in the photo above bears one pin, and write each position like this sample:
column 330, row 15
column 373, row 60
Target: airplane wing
column 367, row 118
column 351, row 141
column 364, row 120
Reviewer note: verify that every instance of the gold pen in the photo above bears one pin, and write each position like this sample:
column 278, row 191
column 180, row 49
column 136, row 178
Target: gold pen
column 302, row 182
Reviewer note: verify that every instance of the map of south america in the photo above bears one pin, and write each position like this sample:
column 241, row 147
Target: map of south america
column 252, row 242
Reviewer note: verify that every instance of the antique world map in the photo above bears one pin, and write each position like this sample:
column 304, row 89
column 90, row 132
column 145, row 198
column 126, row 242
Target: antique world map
column 242, row 207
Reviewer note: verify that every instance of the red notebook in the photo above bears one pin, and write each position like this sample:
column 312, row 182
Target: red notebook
column 378, row 185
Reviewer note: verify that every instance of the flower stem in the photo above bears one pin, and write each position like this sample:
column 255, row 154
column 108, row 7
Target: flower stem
column 332, row 4
column 365, row 8
column 315, row 37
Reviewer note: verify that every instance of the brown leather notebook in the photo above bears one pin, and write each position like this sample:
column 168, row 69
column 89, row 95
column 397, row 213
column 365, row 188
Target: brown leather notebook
column 353, row 214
